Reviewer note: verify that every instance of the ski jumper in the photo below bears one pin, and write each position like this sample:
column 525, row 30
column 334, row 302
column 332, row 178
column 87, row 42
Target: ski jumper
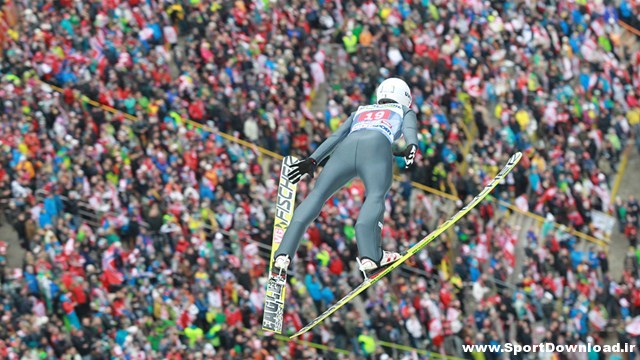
column 360, row 147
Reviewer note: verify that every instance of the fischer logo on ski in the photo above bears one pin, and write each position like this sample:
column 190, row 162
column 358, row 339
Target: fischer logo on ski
column 277, row 282
column 284, row 208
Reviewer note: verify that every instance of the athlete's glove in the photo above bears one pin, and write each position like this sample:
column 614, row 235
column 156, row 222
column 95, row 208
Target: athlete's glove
column 409, row 155
column 302, row 167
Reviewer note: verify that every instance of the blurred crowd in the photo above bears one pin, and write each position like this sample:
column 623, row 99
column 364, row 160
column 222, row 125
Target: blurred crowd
column 144, row 235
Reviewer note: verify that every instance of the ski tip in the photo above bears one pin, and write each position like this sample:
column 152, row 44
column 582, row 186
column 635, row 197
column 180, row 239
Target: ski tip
column 294, row 336
column 514, row 159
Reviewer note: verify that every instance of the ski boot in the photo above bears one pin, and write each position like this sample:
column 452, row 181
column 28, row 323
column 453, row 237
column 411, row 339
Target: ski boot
column 367, row 265
column 281, row 264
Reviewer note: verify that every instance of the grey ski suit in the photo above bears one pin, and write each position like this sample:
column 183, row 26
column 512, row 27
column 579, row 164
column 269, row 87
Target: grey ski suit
column 360, row 147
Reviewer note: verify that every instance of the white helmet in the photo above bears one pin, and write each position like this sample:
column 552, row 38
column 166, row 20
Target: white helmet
column 396, row 90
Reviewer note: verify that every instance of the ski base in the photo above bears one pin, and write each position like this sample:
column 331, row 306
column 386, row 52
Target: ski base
column 274, row 303
column 370, row 280
column 273, row 314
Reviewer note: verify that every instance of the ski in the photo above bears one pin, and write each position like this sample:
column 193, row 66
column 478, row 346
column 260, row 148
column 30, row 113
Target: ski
column 372, row 279
column 277, row 283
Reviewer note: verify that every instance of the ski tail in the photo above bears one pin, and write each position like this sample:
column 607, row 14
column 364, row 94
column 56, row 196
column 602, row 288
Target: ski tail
column 511, row 164
column 276, row 284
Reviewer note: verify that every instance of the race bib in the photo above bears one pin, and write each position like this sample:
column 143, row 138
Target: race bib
column 386, row 119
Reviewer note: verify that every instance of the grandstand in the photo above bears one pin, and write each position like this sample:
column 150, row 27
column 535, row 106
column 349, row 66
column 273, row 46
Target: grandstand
column 8, row 20
column 140, row 149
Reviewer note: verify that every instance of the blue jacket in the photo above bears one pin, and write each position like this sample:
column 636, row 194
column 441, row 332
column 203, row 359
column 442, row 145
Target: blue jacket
column 314, row 287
